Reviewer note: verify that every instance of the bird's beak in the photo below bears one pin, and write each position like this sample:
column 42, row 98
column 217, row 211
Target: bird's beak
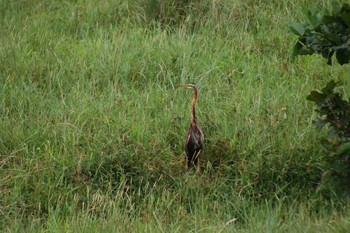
column 184, row 85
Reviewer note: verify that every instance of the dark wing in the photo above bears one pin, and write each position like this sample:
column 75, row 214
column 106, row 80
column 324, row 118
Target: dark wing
column 194, row 144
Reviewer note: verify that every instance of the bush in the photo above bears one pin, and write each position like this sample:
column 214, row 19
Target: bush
column 326, row 36
column 335, row 112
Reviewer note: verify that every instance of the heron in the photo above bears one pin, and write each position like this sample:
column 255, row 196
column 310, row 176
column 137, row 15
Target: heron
column 194, row 143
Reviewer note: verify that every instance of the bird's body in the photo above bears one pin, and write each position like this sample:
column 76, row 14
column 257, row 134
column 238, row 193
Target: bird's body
column 194, row 143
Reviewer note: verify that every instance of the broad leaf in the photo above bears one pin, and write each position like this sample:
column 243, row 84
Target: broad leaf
column 312, row 16
column 336, row 7
column 316, row 97
column 297, row 28
column 345, row 14
column 344, row 148
column 329, row 87
column 305, row 51
column 343, row 56
column 296, row 49
column 319, row 122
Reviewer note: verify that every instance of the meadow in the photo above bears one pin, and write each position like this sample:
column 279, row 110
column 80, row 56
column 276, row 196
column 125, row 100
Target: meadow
column 92, row 125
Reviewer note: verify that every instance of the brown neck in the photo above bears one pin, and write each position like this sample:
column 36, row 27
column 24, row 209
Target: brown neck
column 193, row 112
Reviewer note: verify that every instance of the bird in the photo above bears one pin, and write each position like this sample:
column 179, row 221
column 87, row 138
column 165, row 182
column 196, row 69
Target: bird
column 194, row 143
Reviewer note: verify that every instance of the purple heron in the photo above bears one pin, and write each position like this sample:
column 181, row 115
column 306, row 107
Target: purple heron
column 195, row 138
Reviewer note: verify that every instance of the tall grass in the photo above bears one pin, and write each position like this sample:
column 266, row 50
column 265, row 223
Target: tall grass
column 92, row 126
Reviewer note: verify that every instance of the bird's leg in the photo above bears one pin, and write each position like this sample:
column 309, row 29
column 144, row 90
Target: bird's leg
column 198, row 168
column 186, row 162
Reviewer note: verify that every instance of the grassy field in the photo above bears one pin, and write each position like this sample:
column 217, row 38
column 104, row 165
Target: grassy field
column 92, row 125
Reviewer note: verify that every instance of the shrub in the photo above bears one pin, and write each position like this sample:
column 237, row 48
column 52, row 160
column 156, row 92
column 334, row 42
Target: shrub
column 327, row 36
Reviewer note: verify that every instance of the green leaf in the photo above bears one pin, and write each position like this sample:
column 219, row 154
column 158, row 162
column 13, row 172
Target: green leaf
column 312, row 16
column 329, row 87
column 343, row 56
column 336, row 7
column 316, row 97
column 332, row 132
column 333, row 37
column 296, row 49
column 343, row 148
column 297, row 28
column 319, row 122
column 339, row 166
column 306, row 51
column 346, row 18
column 345, row 14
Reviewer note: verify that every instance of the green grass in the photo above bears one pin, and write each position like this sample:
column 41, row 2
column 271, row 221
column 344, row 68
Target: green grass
column 92, row 126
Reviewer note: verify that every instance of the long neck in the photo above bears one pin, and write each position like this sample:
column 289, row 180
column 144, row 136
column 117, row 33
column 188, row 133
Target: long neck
column 193, row 112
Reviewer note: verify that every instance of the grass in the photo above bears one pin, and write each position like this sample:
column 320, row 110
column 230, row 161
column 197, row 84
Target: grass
column 92, row 126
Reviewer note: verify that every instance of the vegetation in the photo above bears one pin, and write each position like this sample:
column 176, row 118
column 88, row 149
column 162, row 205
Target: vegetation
column 92, row 126
column 328, row 35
